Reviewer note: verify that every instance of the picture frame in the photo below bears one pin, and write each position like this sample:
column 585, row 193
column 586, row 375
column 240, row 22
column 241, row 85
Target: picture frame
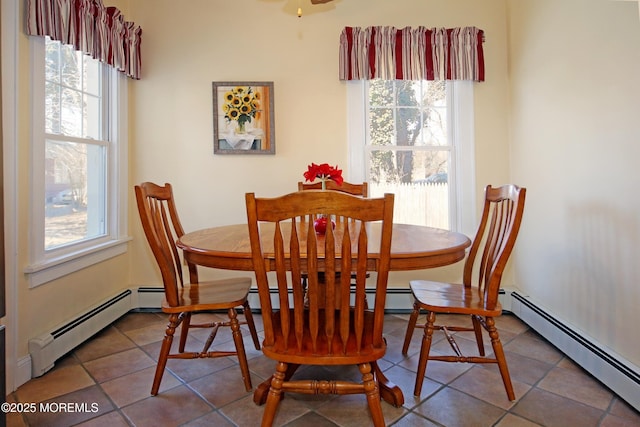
column 243, row 118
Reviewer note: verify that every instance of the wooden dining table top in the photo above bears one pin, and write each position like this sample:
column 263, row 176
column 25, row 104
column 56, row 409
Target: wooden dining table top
column 413, row 247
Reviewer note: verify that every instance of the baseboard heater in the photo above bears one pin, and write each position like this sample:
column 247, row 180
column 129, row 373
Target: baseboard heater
column 49, row 347
column 611, row 369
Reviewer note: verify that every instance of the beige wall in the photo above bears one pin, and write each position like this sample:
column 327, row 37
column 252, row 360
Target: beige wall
column 186, row 48
column 574, row 65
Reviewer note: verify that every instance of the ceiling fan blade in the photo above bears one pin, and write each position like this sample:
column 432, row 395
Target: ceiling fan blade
column 320, row 1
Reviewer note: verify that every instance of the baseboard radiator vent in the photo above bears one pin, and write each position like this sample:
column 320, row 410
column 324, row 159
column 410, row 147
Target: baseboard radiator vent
column 47, row 348
column 615, row 372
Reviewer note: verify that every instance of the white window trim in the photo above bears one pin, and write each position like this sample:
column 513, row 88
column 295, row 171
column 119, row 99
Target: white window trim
column 47, row 266
column 461, row 129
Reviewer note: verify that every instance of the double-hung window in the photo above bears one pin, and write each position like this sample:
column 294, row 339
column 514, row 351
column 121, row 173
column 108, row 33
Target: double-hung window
column 414, row 138
column 78, row 161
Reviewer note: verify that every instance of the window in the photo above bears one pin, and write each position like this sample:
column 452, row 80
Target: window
column 79, row 210
column 414, row 139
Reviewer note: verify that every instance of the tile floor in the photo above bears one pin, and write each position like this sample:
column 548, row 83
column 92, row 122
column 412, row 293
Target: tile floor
column 111, row 376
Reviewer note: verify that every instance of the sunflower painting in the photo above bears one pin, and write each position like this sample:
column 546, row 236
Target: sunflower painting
column 243, row 118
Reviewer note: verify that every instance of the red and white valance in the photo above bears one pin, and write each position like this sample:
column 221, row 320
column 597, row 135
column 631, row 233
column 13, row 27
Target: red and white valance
column 90, row 27
column 411, row 53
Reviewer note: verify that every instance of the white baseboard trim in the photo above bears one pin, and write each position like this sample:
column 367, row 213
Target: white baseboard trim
column 611, row 369
column 23, row 370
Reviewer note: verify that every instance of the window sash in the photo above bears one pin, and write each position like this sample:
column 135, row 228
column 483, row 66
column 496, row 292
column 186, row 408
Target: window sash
column 47, row 265
column 460, row 131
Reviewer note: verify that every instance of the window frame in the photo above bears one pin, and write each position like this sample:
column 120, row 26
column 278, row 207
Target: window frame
column 48, row 265
column 460, row 122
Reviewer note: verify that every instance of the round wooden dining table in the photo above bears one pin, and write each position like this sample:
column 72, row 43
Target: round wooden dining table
column 413, row 247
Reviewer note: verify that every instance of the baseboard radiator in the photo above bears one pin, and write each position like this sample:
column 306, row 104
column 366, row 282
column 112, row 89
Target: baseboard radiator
column 47, row 348
column 620, row 375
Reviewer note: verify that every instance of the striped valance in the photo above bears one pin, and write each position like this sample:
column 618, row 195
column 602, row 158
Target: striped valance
column 90, row 27
column 411, row 53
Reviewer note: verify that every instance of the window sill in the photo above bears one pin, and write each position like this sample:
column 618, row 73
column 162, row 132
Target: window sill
column 52, row 269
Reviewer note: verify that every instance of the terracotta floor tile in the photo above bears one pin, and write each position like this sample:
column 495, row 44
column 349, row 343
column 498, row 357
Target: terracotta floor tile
column 136, row 386
column 222, row 387
column 115, row 370
column 148, row 334
column 510, row 420
column 487, row 385
column 118, row 364
column 106, row 342
column 71, row 409
column 552, row 410
column 414, row 420
column 614, row 421
column 406, row 380
column 352, row 410
column 532, row 346
column 522, row 368
column 57, row 382
column 211, row 419
column 172, row 408
column 312, row 419
column 245, row 413
column 136, row 320
column 622, row 409
column 450, row 407
column 511, row 323
column 110, row 419
column 577, row 386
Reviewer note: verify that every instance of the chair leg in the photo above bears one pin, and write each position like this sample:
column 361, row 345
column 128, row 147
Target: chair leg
column 186, row 322
column 372, row 392
column 502, row 361
column 424, row 352
column 477, row 328
column 174, row 321
column 242, row 356
column 410, row 327
column 274, row 395
column 248, row 315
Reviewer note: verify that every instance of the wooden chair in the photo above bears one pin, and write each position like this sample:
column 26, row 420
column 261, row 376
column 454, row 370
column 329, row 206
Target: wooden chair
column 321, row 332
column 361, row 190
column 346, row 187
column 500, row 222
column 162, row 228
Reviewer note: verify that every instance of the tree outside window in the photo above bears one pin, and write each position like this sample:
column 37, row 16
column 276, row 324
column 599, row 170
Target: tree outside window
column 410, row 152
column 76, row 146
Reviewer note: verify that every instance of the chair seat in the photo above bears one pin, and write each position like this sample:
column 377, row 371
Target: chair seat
column 211, row 295
column 451, row 298
column 322, row 356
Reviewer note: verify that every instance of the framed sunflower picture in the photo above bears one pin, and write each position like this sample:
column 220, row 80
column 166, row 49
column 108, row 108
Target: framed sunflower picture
column 243, row 120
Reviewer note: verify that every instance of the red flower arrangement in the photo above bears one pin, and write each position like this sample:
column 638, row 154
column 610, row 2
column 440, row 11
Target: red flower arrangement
column 324, row 172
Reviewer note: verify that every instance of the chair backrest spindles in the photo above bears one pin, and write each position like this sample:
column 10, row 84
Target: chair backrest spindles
column 346, row 187
column 326, row 318
column 501, row 217
column 162, row 228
